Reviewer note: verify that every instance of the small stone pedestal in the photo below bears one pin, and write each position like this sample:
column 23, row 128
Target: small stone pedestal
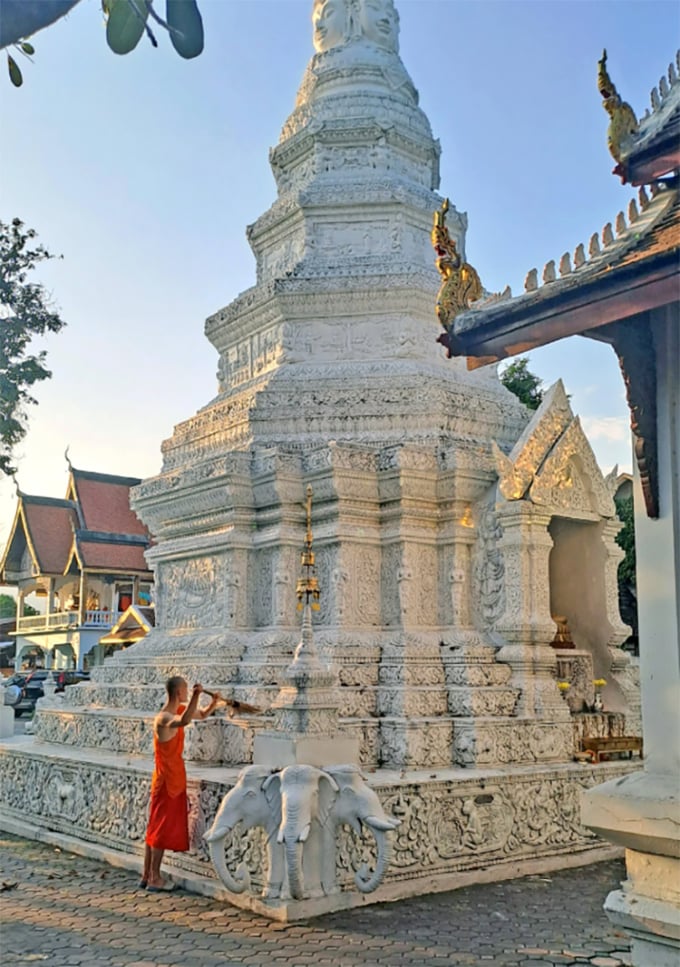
column 278, row 751
column 6, row 715
column 6, row 721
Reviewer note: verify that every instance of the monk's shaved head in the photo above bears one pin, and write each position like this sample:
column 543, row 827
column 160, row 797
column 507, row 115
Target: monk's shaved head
column 174, row 684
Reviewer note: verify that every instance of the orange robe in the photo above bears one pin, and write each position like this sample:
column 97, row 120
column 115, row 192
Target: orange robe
column 168, row 814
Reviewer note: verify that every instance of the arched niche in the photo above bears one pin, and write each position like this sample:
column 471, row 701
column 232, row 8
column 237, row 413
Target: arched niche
column 578, row 591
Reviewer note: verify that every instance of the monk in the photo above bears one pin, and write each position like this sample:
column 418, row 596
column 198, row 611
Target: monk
column 168, row 814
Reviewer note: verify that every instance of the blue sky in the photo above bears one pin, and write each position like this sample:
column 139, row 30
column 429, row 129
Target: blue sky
column 144, row 170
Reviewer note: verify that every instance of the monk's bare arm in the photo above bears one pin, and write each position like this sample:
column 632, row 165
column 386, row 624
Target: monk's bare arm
column 209, row 709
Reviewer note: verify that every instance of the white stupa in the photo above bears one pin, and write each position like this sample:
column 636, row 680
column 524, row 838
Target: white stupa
column 433, row 560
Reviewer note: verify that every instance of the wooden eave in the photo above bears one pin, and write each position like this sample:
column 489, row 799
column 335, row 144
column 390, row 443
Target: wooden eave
column 612, row 307
column 619, row 294
column 655, row 159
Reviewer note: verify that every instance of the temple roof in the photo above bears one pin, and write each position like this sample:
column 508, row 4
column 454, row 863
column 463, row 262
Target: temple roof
column 654, row 149
column 634, row 268
column 132, row 626
column 104, row 502
column 43, row 526
column 611, row 295
column 93, row 528
column 94, row 551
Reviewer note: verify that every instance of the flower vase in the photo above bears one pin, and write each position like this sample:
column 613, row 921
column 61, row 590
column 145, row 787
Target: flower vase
column 598, row 704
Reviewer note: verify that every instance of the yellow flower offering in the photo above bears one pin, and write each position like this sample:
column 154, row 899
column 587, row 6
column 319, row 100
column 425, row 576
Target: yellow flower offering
column 599, row 682
column 563, row 686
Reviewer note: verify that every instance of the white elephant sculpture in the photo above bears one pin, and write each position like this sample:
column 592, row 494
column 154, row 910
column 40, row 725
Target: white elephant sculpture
column 357, row 805
column 300, row 808
column 255, row 800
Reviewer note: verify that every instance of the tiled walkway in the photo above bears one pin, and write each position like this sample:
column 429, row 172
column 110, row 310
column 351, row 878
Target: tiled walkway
column 59, row 910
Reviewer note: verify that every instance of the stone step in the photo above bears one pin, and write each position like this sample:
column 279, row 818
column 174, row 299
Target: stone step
column 353, row 701
column 216, row 740
column 466, row 701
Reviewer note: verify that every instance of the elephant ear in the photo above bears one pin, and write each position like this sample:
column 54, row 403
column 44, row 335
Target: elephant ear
column 328, row 792
column 271, row 787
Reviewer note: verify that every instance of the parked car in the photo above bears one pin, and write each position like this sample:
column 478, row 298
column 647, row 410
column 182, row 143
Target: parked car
column 23, row 689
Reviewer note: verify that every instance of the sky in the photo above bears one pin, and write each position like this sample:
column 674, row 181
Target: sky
column 143, row 172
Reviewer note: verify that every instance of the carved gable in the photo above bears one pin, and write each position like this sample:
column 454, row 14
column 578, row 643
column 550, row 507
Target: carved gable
column 550, row 420
column 570, row 478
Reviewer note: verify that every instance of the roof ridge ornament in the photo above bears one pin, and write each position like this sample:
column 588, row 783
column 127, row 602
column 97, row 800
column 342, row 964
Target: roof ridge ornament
column 623, row 124
column 461, row 285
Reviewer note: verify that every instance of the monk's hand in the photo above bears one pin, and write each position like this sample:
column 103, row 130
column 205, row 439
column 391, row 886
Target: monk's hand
column 198, row 688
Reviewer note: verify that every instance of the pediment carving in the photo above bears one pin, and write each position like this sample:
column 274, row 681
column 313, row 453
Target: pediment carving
column 570, row 478
column 517, row 471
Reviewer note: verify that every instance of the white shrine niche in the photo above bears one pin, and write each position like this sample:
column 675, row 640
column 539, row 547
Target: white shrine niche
column 445, row 516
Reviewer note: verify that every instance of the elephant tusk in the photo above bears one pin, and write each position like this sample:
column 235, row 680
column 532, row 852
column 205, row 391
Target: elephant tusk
column 382, row 823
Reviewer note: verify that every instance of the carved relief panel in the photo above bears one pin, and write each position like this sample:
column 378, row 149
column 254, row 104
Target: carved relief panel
column 488, row 570
column 191, row 593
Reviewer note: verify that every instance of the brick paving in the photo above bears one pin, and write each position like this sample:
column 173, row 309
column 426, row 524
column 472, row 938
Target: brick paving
column 62, row 910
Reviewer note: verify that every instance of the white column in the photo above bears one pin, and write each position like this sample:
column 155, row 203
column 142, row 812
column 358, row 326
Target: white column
column 642, row 811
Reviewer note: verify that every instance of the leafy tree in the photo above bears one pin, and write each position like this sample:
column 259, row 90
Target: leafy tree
column 24, row 313
column 126, row 23
column 626, row 539
column 518, row 378
column 8, row 607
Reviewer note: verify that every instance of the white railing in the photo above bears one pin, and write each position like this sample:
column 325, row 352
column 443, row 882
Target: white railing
column 67, row 619
column 101, row 619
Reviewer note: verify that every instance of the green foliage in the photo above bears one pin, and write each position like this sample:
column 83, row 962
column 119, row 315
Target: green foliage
column 8, row 607
column 626, row 539
column 24, row 313
column 125, row 24
column 185, row 26
column 518, row 378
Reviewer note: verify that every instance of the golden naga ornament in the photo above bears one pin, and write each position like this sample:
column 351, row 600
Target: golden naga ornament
column 623, row 124
column 461, row 285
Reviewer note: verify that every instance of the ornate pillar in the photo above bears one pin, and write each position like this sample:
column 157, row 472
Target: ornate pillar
column 526, row 623
column 641, row 812
column 623, row 670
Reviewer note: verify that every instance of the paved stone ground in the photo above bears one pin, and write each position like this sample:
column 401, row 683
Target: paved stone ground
column 61, row 910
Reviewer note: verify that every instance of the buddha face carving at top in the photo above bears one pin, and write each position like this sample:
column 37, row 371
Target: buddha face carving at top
column 330, row 21
column 379, row 22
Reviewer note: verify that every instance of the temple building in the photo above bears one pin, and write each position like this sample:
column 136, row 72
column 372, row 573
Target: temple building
column 626, row 293
column 83, row 557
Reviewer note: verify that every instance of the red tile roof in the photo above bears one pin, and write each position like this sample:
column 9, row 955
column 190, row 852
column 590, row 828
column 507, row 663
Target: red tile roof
column 50, row 531
column 109, row 556
column 104, row 502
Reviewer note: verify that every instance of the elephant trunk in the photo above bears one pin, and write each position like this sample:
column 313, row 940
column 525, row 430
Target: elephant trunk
column 366, row 883
column 296, row 883
column 235, row 883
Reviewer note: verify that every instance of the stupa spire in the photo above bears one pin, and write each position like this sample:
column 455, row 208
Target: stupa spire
column 338, row 22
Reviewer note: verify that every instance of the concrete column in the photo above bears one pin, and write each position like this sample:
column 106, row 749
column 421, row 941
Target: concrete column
column 642, row 811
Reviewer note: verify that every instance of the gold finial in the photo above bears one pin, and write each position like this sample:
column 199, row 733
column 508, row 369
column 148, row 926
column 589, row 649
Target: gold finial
column 460, row 283
column 623, row 123
column 307, row 588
